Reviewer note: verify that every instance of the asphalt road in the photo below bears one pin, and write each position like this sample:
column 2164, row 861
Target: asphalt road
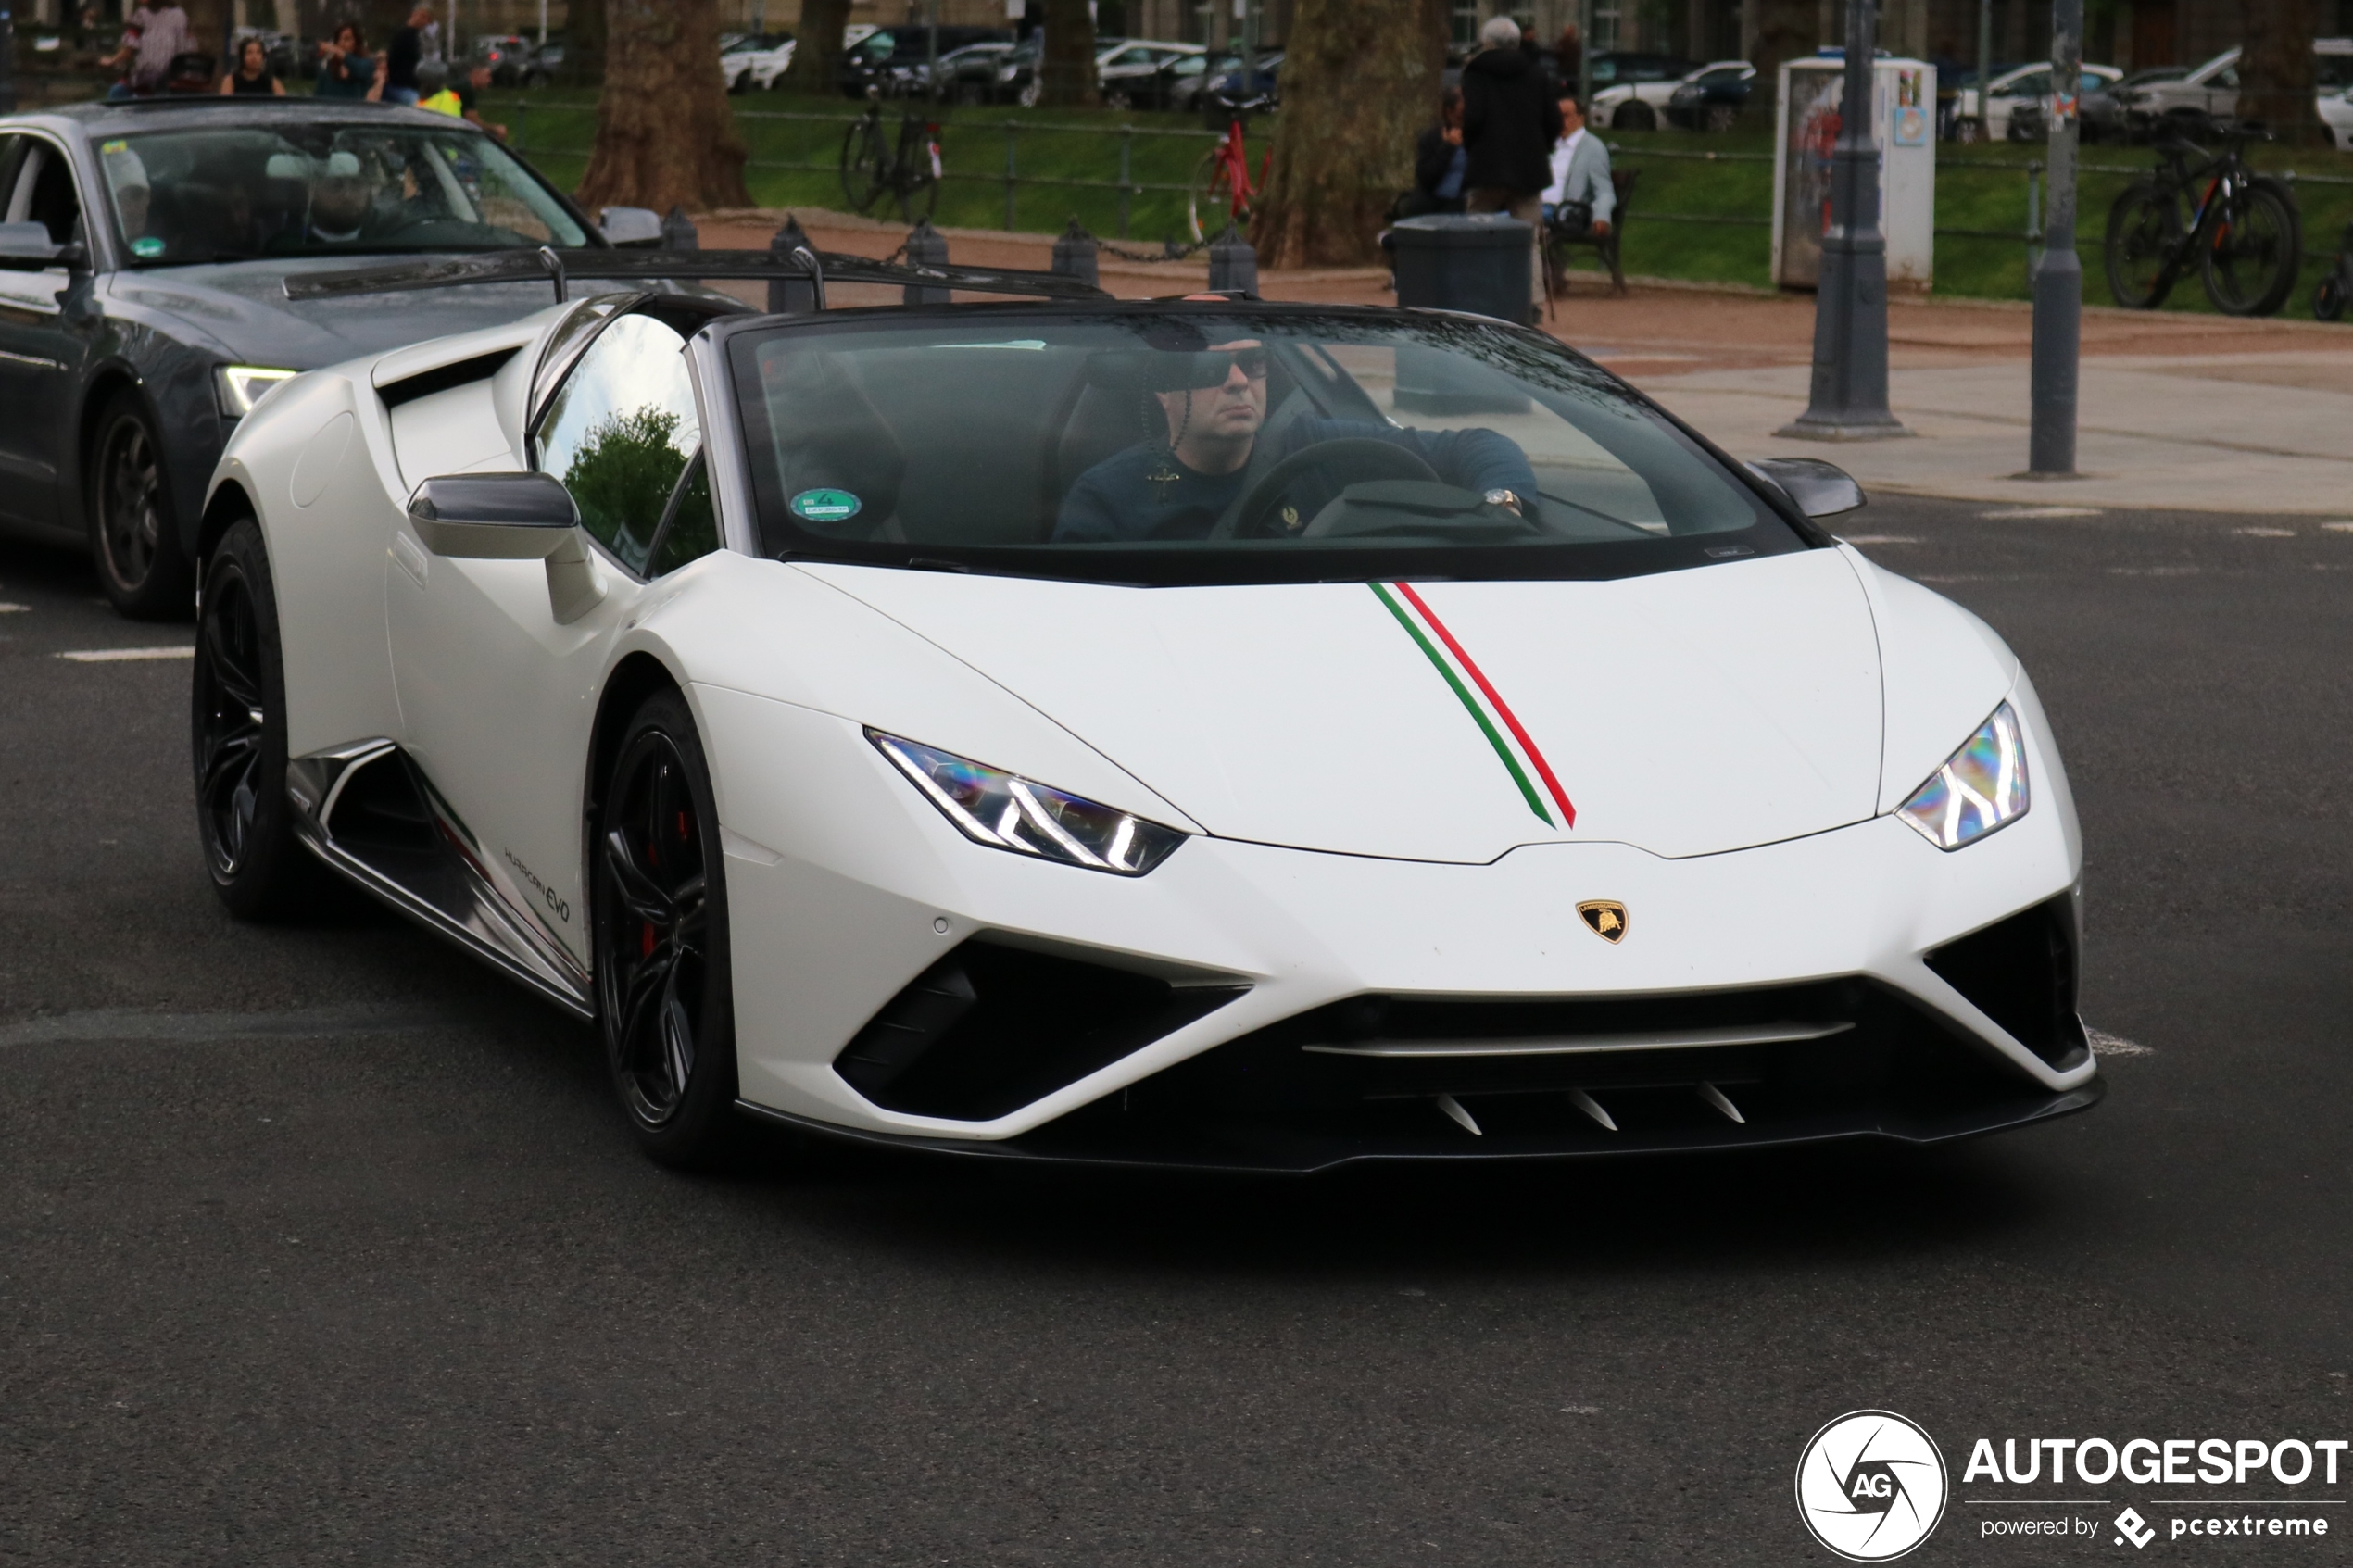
column 317, row 1245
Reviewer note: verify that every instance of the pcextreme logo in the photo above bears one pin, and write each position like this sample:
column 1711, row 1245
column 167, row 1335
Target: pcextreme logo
column 1871, row 1485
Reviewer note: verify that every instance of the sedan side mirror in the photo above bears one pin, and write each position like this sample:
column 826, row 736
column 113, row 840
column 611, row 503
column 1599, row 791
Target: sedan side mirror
column 1819, row 489
column 630, row 228
column 28, row 244
column 512, row 517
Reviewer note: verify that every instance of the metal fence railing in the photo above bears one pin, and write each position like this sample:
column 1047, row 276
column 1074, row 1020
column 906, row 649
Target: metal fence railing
column 1124, row 181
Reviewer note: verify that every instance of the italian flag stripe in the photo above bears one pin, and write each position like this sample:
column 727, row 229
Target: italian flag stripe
column 1421, row 616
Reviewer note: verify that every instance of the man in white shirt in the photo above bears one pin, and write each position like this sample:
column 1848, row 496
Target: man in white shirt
column 1580, row 171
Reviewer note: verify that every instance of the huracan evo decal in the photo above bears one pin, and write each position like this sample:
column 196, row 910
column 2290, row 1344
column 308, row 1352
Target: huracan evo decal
column 1421, row 623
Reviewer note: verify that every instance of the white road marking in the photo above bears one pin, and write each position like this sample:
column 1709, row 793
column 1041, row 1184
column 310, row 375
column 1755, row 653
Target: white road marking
column 2266, row 532
column 2341, row 527
column 1880, row 539
column 116, row 656
column 2010, row 512
column 14, row 610
column 2116, row 1045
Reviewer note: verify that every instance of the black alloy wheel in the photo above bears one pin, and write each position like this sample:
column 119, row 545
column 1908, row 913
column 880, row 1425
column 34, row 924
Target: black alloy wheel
column 238, row 739
column 134, row 537
column 664, row 989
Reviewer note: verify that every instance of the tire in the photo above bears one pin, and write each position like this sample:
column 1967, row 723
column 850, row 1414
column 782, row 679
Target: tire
column 1119, row 98
column 2257, row 247
column 237, row 739
column 1029, row 93
column 2328, row 300
column 135, row 533
column 1210, row 198
column 1719, row 119
column 1636, row 115
column 665, row 998
column 2143, row 227
column 971, row 93
column 862, row 162
column 1967, row 132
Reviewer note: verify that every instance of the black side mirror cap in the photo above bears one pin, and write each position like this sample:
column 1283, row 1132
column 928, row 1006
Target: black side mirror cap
column 493, row 516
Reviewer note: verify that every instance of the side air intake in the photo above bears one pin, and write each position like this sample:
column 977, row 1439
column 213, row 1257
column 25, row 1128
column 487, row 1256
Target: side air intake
column 2022, row 973
column 991, row 1028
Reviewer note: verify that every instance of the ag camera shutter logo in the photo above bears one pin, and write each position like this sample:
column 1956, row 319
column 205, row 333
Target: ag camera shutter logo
column 1871, row 1485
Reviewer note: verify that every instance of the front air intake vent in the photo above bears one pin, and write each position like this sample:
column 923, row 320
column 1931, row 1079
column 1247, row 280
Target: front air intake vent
column 990, row 1028
column 2021, row 973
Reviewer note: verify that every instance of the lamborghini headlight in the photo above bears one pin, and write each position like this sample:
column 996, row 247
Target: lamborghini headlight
column 239, row 387
column 1007, row 812
column 1981, row 787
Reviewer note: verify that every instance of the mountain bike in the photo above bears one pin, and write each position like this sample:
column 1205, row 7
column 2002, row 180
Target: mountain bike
column 2240, row 230
column 871, row 168
column 1222, row 179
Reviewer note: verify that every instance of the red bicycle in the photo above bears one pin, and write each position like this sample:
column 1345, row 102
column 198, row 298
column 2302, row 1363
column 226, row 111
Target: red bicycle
column 1222, row 179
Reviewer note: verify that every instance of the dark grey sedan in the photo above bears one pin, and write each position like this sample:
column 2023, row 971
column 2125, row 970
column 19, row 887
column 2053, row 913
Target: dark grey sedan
column 144, row 250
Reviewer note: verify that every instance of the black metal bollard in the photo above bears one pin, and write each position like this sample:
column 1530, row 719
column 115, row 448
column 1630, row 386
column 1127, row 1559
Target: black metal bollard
column 788, row 296
column 926, row 246
column 678, row 231
column 1233, row 265
column 1076, row 254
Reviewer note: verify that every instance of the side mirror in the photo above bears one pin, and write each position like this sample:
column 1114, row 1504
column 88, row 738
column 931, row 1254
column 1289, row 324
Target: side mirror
column 630, row 228
column 28, row 244
column 1819, row 489
column 512, row 517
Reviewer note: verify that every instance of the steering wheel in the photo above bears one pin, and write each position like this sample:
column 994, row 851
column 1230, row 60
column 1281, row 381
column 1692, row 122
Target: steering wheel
column 1370, row 458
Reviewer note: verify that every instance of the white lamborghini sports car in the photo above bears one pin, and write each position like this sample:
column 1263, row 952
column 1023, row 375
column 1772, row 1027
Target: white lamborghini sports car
column 1203, row 732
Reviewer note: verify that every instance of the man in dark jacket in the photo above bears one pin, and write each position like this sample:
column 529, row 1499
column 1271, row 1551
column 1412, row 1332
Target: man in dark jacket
column 1510, row 121
column 1438, row 162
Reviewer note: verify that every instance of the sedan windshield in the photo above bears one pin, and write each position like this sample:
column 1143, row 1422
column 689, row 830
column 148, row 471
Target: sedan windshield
column 1195, row 445
column 238, row 192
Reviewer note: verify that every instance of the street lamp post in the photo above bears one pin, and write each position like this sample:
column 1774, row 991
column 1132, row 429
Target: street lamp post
column 1849, row 401
column 2058, row 279
column 7, row 59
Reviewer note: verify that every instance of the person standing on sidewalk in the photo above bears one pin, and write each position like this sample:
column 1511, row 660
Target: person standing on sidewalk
column 1510, row 121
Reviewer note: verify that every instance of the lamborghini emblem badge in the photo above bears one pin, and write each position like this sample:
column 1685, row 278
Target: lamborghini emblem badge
column 1605, row 917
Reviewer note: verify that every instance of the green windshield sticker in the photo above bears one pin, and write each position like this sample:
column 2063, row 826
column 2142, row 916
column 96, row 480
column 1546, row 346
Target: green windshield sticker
column 117, row 145
column 146, row 246
column 825, row 506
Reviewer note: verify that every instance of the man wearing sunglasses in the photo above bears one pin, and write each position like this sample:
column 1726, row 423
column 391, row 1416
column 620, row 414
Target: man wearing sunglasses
column 1179, row 481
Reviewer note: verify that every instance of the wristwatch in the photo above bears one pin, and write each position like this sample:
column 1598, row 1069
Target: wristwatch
column 1502, row 498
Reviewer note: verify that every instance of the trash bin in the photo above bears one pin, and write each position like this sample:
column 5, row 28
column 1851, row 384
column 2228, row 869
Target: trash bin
column 1465, row 261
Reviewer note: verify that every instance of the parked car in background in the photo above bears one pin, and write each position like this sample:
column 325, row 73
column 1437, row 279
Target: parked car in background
column 1987, row 118
column 1710, row 98
column 2212, row 90
column 969, row 75
column 550, row 59
column 898, row 59
column 2102, row 112
column 1132, row 74
column 2337, row 113
column 753, row 59
column 1623, row 79
column 512, row 60
column 1214, row 86
column 1639, row 102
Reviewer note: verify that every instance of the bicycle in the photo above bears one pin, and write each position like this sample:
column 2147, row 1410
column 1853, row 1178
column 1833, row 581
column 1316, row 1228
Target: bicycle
column 2336, row 290
column 1222, row 177
column 2243, row 232
column 870, row 169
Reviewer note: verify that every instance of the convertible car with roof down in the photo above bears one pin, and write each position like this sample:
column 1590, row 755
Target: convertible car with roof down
column 1201, row 732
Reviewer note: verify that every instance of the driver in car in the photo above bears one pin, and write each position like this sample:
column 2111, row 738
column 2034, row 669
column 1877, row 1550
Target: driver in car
column 341, row 199
column 1180, row 486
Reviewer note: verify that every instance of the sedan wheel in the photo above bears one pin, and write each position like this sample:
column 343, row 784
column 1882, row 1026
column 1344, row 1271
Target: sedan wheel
column 664, row 987
column 1635, row 115
column 134, row 539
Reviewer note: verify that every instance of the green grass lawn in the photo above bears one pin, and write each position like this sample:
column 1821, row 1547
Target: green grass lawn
column 1047, row 144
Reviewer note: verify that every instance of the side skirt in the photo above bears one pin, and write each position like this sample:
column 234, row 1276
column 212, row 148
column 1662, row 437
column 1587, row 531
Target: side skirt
column 372, row 815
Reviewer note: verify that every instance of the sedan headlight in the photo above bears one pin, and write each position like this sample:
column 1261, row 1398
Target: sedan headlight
column 1981, row 787
column 1006, row 811
column 239, row 387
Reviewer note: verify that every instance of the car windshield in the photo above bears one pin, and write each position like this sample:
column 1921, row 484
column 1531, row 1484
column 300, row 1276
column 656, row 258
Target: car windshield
column 233, row 192
column 1184, row 444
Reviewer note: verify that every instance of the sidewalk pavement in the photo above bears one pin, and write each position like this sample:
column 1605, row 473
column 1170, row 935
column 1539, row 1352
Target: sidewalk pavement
column 2185, row 411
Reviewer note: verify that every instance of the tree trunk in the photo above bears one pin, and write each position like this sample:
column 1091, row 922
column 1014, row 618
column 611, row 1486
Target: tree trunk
column 1066, row 69
column 816, row 54
column 1786, row 30
column 2276, row 71
column 1360, row 82
column 665, row 135
column 584, row 44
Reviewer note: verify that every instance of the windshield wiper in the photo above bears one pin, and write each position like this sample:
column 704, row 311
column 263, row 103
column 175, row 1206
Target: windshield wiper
column 1594, row 511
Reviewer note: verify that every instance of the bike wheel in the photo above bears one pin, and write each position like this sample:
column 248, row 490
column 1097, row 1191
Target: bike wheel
column 2328, row 300
column 2144, row 229
column 1210, row 196
column 914, row 181
column 865, row 164
column 2250, row 264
